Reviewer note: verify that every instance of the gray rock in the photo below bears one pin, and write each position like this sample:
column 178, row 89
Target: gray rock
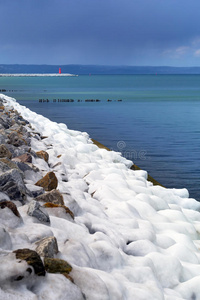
column 26, row 157
column 5, row 240
column 4, row 151
column 5, row 121
column 3, row 196
column 34, row 191
column 15, row 140
column 6, row 164
column 17, row 151
column 3, row 136
column 53, row 196
column 4, row 167
column 12, row 184
column 37, row 211
column 26, row 166
column 47, row 247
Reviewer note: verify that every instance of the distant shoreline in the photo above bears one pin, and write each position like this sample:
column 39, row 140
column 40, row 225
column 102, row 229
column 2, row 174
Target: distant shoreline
column 97, row 69
column 37, row 75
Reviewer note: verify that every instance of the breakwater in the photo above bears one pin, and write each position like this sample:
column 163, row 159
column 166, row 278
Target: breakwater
column 24, row 204
column 75, row 219
column 79, row 100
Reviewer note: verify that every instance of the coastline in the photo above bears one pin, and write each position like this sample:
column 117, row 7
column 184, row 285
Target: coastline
column 109, row 224
column 134, row 167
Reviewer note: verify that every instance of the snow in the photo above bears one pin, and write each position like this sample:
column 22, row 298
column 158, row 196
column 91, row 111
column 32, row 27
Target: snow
column 129, row 239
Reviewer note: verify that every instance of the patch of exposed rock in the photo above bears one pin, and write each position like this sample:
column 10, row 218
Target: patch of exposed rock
column 48, row 182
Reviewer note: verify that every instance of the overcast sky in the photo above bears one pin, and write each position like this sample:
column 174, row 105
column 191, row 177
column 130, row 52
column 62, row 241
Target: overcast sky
column 104, row 32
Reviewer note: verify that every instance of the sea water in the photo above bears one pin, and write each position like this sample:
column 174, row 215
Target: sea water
column 156, row 125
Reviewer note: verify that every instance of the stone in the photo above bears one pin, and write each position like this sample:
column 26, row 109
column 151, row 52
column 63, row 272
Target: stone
column 26, row 166
column 55, row 265
column 48, row 182
column 47, row 247
column 6, row 164
column 53, row 196
column 3, row 136
column 52, row 205
column 3, row 196
column 12, row 184
column 34, row 190
column 4, row 152
column 32, row 258
column 56, row 165
column 17, row 151
column 43, row 154
column 5, row 240
column 5, row 122
column 14, row 139
column 11, row 206
column 26, row 157
column 9, row 217
column 22, row 133
column 37, row 211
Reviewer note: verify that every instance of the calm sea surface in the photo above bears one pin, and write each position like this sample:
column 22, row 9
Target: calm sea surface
column 157, row 123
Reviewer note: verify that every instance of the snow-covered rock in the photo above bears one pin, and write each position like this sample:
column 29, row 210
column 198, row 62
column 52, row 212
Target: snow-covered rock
column 128, row 239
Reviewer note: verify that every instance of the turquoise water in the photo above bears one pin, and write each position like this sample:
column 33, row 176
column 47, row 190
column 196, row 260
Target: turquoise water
column 157, row 124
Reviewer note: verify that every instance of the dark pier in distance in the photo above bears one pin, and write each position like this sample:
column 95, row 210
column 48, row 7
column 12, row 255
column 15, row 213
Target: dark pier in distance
column 72, row 100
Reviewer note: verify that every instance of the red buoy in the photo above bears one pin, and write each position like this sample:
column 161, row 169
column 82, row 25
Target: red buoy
column 59, row 70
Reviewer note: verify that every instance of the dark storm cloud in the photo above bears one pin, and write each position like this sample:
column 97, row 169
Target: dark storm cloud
column 99, row 31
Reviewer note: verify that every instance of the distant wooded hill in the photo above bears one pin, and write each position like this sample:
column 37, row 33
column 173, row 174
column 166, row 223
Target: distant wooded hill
column 96, row 69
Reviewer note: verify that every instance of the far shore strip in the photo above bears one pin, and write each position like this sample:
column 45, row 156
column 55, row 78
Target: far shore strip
column 37, row 75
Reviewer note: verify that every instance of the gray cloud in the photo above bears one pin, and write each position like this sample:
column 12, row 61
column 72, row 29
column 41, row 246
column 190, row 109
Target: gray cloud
column 99, row 31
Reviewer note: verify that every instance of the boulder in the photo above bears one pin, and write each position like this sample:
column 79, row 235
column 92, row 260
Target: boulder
column 4, row 152
column 33, row 259
column 26, row 157
column 37, row 211
column 47, row 247
column 9, row 215
column 26, row 166
column 5, row 240
column 52, row 205
column 48, row 182
column 3, row 135
column 5, row 121
column 53, row 196
column 55, row 265
column 43, row 154
column 14, row 139
column 11, row 206
column 6, row 164
column 12, row 184
column 3, row 196
column 34, row 190
column 17, row 151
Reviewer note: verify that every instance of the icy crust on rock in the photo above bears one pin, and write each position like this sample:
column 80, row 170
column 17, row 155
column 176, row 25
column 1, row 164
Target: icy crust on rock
column 128, row 240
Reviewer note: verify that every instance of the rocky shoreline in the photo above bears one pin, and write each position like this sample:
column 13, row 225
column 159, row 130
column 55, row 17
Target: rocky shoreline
column 76, row 222
column 23, row 203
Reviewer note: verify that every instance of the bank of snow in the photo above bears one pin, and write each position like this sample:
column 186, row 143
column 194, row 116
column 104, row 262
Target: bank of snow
column 129, row 239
